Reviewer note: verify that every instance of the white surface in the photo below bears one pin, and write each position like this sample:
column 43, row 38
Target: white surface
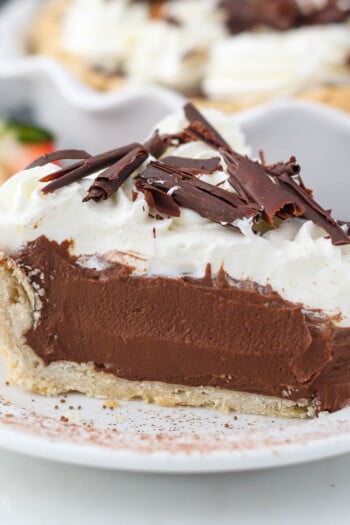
column 36, row 492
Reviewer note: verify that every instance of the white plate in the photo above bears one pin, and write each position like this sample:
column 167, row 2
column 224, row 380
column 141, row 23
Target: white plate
column 140, row 437
column 136, row 436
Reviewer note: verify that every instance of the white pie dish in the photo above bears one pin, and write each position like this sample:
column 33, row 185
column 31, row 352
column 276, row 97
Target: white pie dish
column 64, row 104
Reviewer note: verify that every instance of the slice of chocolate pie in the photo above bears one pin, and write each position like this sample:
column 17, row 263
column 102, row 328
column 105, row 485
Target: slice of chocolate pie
column 177, row 271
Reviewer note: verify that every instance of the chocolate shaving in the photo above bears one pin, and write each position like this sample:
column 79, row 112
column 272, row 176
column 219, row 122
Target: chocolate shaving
column 64, row 154
column 175, row 139
column 83, row 168
column 251, row 181
column 314, row 212
column 200, row 129
column 194, row 166
column 281, row 196
column 270, row 192
column 112, row 178
column 272, row 188
column 186, row 190
column 158, row 199
column 156, row 144
column 290, row 168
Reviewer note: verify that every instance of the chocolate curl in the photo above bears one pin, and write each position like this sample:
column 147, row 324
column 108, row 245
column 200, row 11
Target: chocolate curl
column 291, row 168
column 156, row 144
column 158, row 199
column 201, row 129
column 251, row 181
column 194, row 166
column 160, row 173
column 85, row 167
column 63, row 154
column 314, row 212
column 189, row 192
column 110, row 180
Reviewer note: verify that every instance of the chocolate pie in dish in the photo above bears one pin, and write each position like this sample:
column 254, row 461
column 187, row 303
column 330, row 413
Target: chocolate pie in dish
column 226, row 50
column 178, row 271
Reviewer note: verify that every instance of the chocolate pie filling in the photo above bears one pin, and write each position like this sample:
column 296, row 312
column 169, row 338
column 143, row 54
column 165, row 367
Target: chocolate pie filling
column 212, row 331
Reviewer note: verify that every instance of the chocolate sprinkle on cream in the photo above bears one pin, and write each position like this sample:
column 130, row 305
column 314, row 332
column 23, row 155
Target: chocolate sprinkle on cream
column 64, row 154
column 112, row 178
column 156, row 145
column 83, row 168
column 315, row 213
column 160, row 200
column 251, row 181
column 188, row 191
column 290, row 168
column 194, row 166
column 200, row 129
column 267, row 193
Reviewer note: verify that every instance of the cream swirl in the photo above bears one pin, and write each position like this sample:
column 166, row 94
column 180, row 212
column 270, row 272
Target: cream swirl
column 103, row 33
column 253, row 66
column 121, row 35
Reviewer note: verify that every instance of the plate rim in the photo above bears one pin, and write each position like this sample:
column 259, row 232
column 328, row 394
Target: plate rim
column 90, row 455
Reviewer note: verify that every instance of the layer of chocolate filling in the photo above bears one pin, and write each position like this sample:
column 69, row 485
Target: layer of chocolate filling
column 212, row 331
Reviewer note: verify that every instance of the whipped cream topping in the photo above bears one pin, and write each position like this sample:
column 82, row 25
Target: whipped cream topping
column 102, row 33
column 259, row 65
column 189, row 48
column 121, row 36
column 175, row 54
column 296, row 259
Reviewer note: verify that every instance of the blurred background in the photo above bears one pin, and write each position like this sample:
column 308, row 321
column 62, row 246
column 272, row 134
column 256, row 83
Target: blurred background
column 115, row 68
